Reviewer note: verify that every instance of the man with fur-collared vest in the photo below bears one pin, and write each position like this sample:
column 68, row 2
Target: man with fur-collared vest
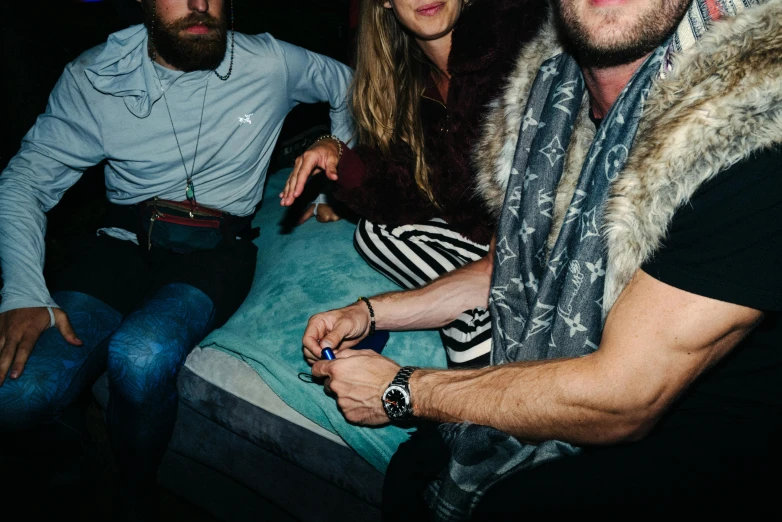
column 633, row 162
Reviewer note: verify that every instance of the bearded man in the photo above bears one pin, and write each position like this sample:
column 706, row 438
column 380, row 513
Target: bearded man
column 185, row 112
column 634, row 283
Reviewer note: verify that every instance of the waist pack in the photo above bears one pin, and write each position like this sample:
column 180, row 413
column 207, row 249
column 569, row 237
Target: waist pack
column 183, row 227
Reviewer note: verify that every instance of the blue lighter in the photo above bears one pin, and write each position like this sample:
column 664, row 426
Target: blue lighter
column 374, row 342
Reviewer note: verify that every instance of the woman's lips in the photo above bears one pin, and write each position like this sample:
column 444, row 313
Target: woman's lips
column 430, row 9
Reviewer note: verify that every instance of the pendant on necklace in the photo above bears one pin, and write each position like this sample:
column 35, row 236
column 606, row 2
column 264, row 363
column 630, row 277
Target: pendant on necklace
column 190, row 191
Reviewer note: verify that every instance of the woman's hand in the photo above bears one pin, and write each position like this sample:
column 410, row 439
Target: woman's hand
column 322, row 156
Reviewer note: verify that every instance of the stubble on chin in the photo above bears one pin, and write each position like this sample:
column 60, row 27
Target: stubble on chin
column 618, row 35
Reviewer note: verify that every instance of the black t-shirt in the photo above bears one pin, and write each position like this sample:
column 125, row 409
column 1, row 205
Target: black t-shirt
column 726, row 244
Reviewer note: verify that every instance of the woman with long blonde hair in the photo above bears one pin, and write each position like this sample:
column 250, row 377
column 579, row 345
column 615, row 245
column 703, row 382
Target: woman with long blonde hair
column 425, row 71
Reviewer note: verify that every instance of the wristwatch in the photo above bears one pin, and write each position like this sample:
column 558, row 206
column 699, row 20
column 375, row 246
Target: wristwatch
column 396, row 399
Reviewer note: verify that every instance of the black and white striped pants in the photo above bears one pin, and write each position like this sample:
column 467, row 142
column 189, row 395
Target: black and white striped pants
column 413, row 255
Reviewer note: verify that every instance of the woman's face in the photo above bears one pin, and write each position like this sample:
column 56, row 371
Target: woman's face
column 426, row 19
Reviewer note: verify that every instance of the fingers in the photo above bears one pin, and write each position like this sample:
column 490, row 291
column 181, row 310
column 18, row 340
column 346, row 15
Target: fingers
column 341, row 330
column 331, row 167
column 335, row 329
column 19, row 331
column 23, row 351
column 308, row 214
column 323, row 155
column 321, row 369
column 308, row 165
column 285, row 195
column 309, row 356
column 317, row 327
column 304, row 166
column 7, row 352
column 66, row 330
column 358, row 384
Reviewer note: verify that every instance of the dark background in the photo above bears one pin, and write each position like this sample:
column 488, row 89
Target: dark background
column 39, row 37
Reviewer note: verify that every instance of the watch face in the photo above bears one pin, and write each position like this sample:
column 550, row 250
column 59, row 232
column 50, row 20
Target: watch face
column 396, row 402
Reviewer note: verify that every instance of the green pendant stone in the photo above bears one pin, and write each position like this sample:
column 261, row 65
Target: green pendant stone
column 190, row 191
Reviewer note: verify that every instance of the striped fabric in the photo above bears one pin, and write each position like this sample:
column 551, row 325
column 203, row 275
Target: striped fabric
column 412, row 256
column 698, row 19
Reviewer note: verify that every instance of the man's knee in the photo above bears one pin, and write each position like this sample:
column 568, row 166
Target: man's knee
column 141, row 368
column 146, row 352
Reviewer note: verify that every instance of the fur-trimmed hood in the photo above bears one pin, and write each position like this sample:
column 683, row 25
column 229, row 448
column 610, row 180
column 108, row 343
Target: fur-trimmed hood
column 722, row 102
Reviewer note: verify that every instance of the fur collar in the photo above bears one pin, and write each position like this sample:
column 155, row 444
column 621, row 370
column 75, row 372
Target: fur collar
column 493, row 154
column 722, row 102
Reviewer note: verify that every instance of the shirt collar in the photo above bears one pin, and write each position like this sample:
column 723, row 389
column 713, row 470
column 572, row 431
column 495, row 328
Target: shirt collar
column 124, row 69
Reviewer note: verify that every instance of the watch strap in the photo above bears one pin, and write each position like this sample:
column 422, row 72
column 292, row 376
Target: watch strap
column 401, row 381
column 403, row 375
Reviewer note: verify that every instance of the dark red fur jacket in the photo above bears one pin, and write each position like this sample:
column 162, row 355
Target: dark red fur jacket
column 486, row 40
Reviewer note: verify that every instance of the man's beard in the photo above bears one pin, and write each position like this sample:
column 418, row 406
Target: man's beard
column 629, row 43
column 189, row 52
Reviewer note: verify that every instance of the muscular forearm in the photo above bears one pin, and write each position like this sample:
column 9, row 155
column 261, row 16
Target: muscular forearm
column 439, row 302
column 567, row 399
column 645, row 361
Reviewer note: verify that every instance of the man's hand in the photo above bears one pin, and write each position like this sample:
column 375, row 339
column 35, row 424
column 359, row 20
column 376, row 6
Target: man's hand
column 358, row 378
column 335, row 329
column 322, row 156
column 20, row 330
column 325, row 214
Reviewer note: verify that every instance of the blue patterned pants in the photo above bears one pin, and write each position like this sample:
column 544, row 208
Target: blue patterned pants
column 141, row 353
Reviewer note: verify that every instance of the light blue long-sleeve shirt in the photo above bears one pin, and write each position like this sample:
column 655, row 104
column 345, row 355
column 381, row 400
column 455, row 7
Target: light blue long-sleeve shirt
column 109, row 104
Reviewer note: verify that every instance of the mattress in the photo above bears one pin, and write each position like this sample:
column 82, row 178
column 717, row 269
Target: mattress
column 241, row 453
column 237, row 378
column 240, row 427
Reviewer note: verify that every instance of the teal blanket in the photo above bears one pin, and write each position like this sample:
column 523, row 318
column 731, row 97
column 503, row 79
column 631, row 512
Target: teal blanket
column 312, row 269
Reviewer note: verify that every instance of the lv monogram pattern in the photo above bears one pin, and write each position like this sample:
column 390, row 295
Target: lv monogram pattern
column 544, row 304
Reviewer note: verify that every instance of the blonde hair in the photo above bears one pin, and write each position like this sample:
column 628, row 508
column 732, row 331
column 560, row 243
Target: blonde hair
column 391, row 72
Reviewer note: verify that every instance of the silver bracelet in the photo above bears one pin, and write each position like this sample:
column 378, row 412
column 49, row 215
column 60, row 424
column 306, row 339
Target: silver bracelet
column 51, row 316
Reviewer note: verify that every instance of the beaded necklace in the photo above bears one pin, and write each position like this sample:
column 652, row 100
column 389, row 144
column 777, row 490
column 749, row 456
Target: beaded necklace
column 231, row 63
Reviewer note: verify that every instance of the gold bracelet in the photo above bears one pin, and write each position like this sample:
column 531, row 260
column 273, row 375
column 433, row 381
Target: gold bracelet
column 332, row 137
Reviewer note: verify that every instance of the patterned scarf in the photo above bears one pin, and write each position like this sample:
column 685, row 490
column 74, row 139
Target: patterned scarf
column 544, row 304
